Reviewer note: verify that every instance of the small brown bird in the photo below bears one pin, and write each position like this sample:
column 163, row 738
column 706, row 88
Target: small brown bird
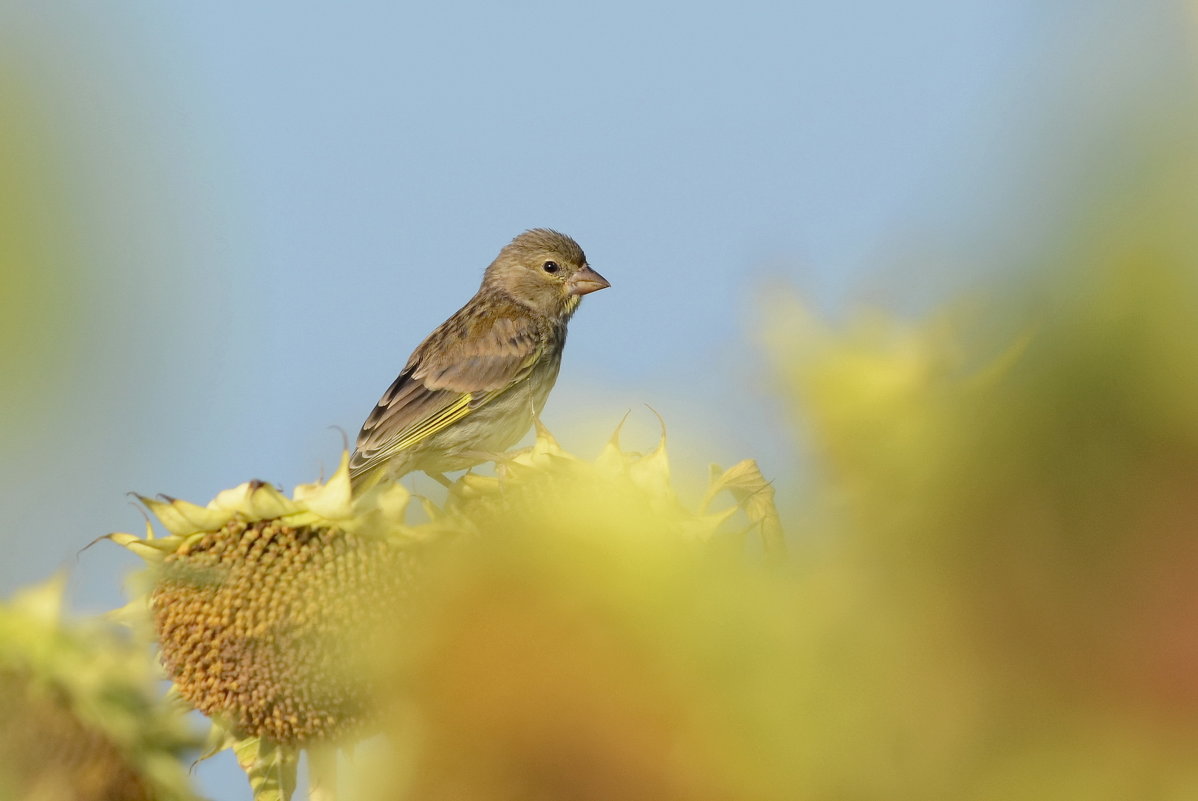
column 474, row 386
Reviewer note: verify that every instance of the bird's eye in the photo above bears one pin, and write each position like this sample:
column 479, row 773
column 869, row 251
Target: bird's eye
column 550, row 267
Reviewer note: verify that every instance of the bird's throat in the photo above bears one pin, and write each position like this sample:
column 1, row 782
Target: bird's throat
column 571, row 304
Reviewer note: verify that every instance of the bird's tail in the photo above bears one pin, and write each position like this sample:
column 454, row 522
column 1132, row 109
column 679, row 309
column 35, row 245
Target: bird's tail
column 364, row 476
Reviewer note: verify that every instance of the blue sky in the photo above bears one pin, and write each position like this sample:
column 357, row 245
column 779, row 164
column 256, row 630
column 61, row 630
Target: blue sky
column 262, row 208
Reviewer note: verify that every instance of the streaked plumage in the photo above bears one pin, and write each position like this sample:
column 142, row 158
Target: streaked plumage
column 472, row 388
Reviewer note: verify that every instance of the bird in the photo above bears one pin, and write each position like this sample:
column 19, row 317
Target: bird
column 476, row 384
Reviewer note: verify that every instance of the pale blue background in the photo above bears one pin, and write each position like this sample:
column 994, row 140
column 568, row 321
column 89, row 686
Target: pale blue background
column 277, row 201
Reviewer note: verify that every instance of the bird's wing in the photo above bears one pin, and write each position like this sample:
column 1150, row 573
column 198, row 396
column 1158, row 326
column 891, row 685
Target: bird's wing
column 463, row 365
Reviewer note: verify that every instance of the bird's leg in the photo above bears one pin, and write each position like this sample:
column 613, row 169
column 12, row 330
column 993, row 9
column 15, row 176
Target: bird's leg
column 500, row 460
column 439, row 478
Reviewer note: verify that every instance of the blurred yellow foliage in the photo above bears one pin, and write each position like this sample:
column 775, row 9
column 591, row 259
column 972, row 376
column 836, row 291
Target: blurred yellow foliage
column 81, row 717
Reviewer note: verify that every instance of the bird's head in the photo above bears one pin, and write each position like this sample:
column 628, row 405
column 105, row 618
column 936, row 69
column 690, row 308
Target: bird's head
column 545, row 271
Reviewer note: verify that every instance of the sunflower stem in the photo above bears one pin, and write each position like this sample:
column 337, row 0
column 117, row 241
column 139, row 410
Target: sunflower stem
column 322, row 774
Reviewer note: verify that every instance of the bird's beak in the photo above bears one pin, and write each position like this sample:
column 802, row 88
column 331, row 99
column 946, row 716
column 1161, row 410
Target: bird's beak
column 585, row 281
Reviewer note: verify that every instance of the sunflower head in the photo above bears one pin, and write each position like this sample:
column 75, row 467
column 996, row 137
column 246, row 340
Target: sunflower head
column 266, row 608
